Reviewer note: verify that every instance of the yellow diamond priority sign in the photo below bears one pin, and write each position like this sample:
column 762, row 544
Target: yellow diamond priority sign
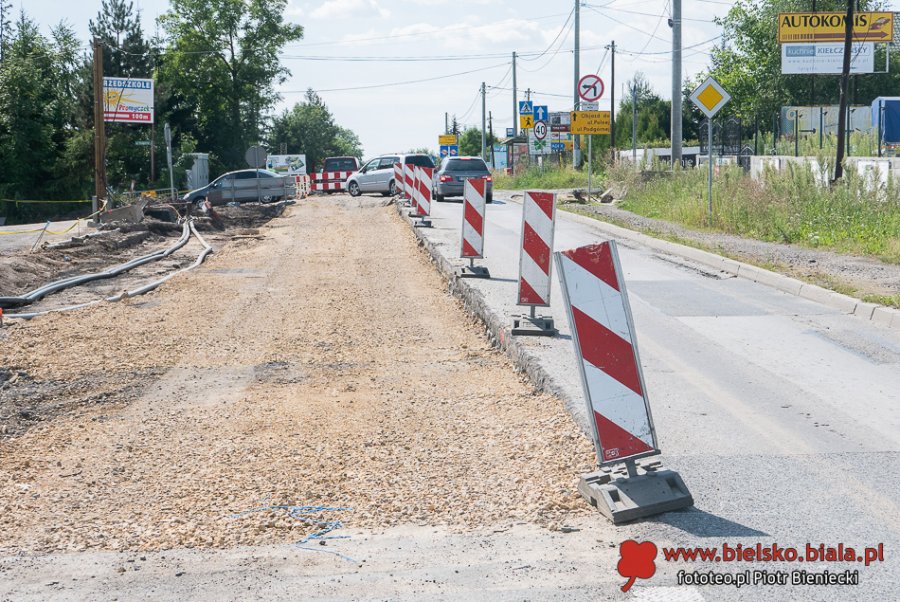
column 710, row 97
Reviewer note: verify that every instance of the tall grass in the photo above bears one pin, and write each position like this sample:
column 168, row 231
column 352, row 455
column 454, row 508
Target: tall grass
column 856, row 215
column 862, row 144
column 549, row 177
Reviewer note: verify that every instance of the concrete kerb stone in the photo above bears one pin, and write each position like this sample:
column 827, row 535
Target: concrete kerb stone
column 880, row 315
column 497, row 325
column 885, row 316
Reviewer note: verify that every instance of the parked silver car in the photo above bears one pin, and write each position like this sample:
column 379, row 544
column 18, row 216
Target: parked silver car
column 450, row 179
column 377, row 175
column 244, row 186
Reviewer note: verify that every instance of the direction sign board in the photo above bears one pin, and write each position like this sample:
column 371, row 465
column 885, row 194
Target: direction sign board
column 589, row 122
column 525, row 107
column 446, row 139
column 826, row 58
column 541, row 113
column 830, row 27
column 710, row 97
column 590, row 87
column 127, row 100
column 526, row 122
column 540, row 130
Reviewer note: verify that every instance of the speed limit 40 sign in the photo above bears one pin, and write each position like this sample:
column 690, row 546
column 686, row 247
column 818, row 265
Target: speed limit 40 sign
column 540, row 130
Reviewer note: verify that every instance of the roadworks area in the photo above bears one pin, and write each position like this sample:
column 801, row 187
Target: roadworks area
column 314, row 375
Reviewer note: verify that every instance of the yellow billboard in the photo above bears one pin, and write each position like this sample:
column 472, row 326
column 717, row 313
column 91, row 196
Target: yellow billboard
column 831, row 27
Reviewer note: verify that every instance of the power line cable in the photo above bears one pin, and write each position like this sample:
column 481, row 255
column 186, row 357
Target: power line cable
column 402, row 83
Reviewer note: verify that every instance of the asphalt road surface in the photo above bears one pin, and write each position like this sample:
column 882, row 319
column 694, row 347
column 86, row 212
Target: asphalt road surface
column 781, row 415
column 325, row 364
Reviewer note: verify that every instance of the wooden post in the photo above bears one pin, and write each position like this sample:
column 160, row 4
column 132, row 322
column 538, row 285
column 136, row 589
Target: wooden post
column 99, row 125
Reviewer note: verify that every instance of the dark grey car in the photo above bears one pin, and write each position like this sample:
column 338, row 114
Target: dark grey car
column 244, row 186
column 450, row 178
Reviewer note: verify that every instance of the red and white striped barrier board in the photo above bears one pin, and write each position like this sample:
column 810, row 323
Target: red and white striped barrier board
column 538, row 220
column 331, row 180
column 303, row 186
column 424, row 177
column 603, row 334
column 472, row 246
column 409, row 177
column 398, row 179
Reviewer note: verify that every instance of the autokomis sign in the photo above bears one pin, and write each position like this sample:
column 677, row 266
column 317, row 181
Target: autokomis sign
column 830, row 27
column 127, row 100
column 826, row 58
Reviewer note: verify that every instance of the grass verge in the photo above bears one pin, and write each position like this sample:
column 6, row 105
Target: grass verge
column 548, row 178
column 823, row 280
column 858, row 215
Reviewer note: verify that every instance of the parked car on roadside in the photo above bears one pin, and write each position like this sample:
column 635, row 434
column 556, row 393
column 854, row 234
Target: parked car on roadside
column 377, row 175
column 334, row 174
column 243, row 186
column 450, row 178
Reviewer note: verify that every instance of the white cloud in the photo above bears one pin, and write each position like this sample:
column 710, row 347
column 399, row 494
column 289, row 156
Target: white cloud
column 349, row 9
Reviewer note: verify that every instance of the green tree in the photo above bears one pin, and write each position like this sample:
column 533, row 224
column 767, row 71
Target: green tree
column 221, row 60
column 309, row 128
column 5, row 26
column 470, row 142
column 748, row 63
column 653, row 114
column 347, row 143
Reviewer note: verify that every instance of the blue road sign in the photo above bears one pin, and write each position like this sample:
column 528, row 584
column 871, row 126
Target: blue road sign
column 445, row 151
column 541, row 113
column 557, row 146
column 510, row 132
column 525, row 107
column 454, row 150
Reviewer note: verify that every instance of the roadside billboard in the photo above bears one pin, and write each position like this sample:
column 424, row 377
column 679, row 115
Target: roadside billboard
column 127, row 100
column 826, row 58
column 829, row 27
column 287, row 165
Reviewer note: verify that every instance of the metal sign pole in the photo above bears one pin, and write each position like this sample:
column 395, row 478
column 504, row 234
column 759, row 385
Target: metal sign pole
column 590, row 148
column 709, row 129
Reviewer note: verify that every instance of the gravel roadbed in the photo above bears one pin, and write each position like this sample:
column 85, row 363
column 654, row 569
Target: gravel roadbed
column 320, row 363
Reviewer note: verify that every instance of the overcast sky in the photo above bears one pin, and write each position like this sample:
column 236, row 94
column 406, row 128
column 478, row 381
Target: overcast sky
column 399, row 117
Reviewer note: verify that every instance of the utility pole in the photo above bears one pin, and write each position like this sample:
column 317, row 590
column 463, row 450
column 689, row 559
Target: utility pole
column 515, row 124
column 576, row 149
column 612, row 98
column 446, row 123
column 845, row 88
column 491, row 137
column 99, row 126
column 634, row 123
column 483, row 124
column 676, row 83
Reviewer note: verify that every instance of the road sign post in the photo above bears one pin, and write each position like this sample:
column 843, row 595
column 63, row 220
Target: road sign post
column 618, row 409
column 710, row 97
